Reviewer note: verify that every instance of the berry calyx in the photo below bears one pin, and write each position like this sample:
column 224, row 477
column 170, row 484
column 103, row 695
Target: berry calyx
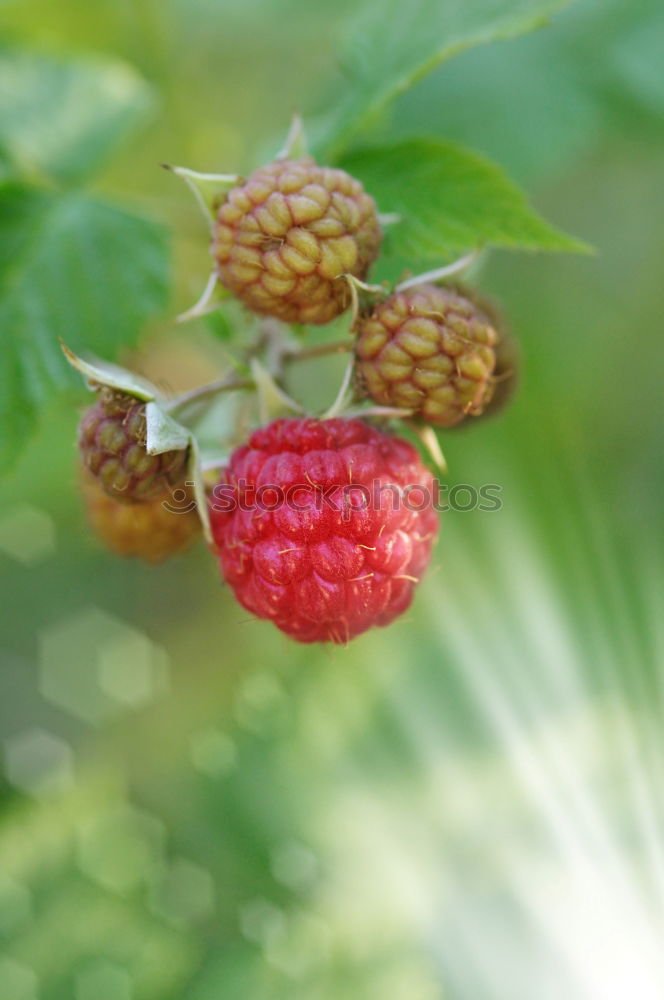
column 428, row 349
column 152, row 530
column 112, row 437
column 284, row 238
column 324, row 527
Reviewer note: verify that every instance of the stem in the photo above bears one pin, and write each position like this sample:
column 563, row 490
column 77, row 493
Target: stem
column 335, row 347
column 229, row 383
column 226, row 384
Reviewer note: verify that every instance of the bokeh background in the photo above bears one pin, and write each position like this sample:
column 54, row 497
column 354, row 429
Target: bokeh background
column 469, row 805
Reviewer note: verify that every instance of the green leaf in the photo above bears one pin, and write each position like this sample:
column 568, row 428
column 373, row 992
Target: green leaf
column 512, row 102
column 638, row 61
column 391, row 45
column 74, row 269
column 63, row 118
column 449, row 200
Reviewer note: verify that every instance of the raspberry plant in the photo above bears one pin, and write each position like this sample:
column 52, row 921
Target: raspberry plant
column 387, row 242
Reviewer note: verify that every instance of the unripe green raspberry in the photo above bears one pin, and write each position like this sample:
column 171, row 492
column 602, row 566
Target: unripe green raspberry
column 430, row 350
column 111, row 439
column 152, row 531
column 283, row 239
column 504, row 381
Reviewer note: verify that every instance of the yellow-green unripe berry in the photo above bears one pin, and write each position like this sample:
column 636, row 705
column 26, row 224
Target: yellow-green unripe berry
column 428, row 349
column 152, row 530
column 284, row 239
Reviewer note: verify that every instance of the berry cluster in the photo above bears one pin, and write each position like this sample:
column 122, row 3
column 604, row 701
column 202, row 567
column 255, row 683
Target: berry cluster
column 131, row 496
column 322, row 525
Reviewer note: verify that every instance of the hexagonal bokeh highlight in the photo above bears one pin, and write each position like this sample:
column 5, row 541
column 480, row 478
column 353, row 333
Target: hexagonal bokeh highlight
column 27, row 534
column 95, row 666
column 39, row 763
column 294, row 865
column 212, row 752
column 261, row 921
column 261, row 705
column 184, row 894
column 18, row 981
column 103, row 980
column 121, row 849
column 301, row 944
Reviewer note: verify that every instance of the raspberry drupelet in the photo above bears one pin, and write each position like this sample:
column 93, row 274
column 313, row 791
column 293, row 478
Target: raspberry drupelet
column 284, row 238
column 324, row 526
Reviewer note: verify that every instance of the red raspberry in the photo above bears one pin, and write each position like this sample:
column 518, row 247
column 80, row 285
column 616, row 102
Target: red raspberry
column 324, row 526
column 153, row 530
column 430, row 350
column 283, row 238
column 111, row 439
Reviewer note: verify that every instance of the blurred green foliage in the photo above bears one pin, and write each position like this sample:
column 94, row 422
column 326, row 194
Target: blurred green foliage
column 464, row 805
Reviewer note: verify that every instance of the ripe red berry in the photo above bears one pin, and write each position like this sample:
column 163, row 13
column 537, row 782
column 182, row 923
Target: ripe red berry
column 430, row 350
column 324, row 526
column 153, row 530
column 111, row 439
column 283, row 238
